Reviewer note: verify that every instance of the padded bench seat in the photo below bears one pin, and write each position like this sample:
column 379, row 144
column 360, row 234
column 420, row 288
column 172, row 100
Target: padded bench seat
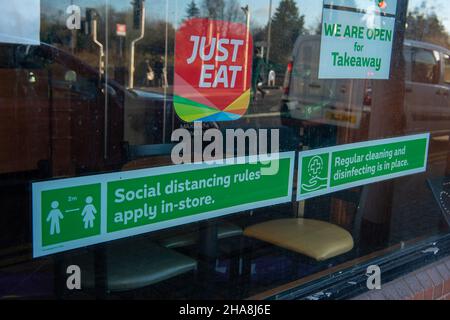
column 315, row 239
column 135, row 265
column 224, row 231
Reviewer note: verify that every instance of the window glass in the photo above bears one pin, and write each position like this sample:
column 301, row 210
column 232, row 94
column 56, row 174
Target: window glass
column 407, row 54
column 425, row 66
column 447, row 68
column 102, row 98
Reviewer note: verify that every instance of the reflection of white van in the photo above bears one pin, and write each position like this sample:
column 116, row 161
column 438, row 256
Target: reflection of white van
column 343, row 102
column 427, row 102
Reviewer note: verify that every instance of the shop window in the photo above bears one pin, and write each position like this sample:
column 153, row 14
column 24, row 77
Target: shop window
column 447, row 68
column 425, row 66
column 104, row 102
column 407, row 54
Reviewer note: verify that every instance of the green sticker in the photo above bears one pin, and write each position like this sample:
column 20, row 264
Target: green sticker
column 70, row 213
column 334, row 169
column 79, row 212
column 149, row 200
column 315, row 173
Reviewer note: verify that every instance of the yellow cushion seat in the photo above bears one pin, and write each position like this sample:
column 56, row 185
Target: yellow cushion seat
column 315, row 239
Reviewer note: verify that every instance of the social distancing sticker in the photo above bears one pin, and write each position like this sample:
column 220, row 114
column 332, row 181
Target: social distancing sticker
column 78, row 212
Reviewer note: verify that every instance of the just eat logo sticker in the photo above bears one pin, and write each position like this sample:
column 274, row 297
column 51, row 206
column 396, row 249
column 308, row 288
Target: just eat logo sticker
column 213, row 70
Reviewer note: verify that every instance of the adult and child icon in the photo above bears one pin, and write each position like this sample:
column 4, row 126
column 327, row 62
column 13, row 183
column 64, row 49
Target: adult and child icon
column 55, row 216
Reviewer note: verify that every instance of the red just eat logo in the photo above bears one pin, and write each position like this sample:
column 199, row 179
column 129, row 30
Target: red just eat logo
column 213, row 69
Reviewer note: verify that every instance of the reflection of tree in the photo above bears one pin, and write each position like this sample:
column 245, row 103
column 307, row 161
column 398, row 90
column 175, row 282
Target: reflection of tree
column 152, row 47
column 155, row 41
column 259, row 34
column 287, row 25
column 423, row 24
column 51, row 31
column 233, row 11
column 214, row 9
column 317, row 29
column 78, row 43
column 221, row 10
column 192, row 10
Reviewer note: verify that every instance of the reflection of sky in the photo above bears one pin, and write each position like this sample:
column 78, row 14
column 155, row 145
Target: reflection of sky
column 20, row 21
column 441, row 7
column 177, row 8
column 156, row 9
column 259, row 9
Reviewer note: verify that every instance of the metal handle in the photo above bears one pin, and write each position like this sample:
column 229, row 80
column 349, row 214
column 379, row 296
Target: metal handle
column 101, row 66
column 133, row 47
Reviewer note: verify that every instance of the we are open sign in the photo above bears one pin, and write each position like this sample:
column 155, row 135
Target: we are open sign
column 357, row 39
column 213, row 70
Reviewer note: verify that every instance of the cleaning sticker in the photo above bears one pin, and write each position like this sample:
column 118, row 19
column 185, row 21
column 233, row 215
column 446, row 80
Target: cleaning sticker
column 324, row 171
column 213, row 66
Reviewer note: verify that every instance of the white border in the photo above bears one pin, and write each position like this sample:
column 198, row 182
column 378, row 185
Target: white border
column 331, row 150
column 39, row 187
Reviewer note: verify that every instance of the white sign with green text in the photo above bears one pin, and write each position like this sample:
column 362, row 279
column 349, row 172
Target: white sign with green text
column 357, row 37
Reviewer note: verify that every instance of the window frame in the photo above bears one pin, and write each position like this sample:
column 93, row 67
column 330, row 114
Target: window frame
column 400, row 260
